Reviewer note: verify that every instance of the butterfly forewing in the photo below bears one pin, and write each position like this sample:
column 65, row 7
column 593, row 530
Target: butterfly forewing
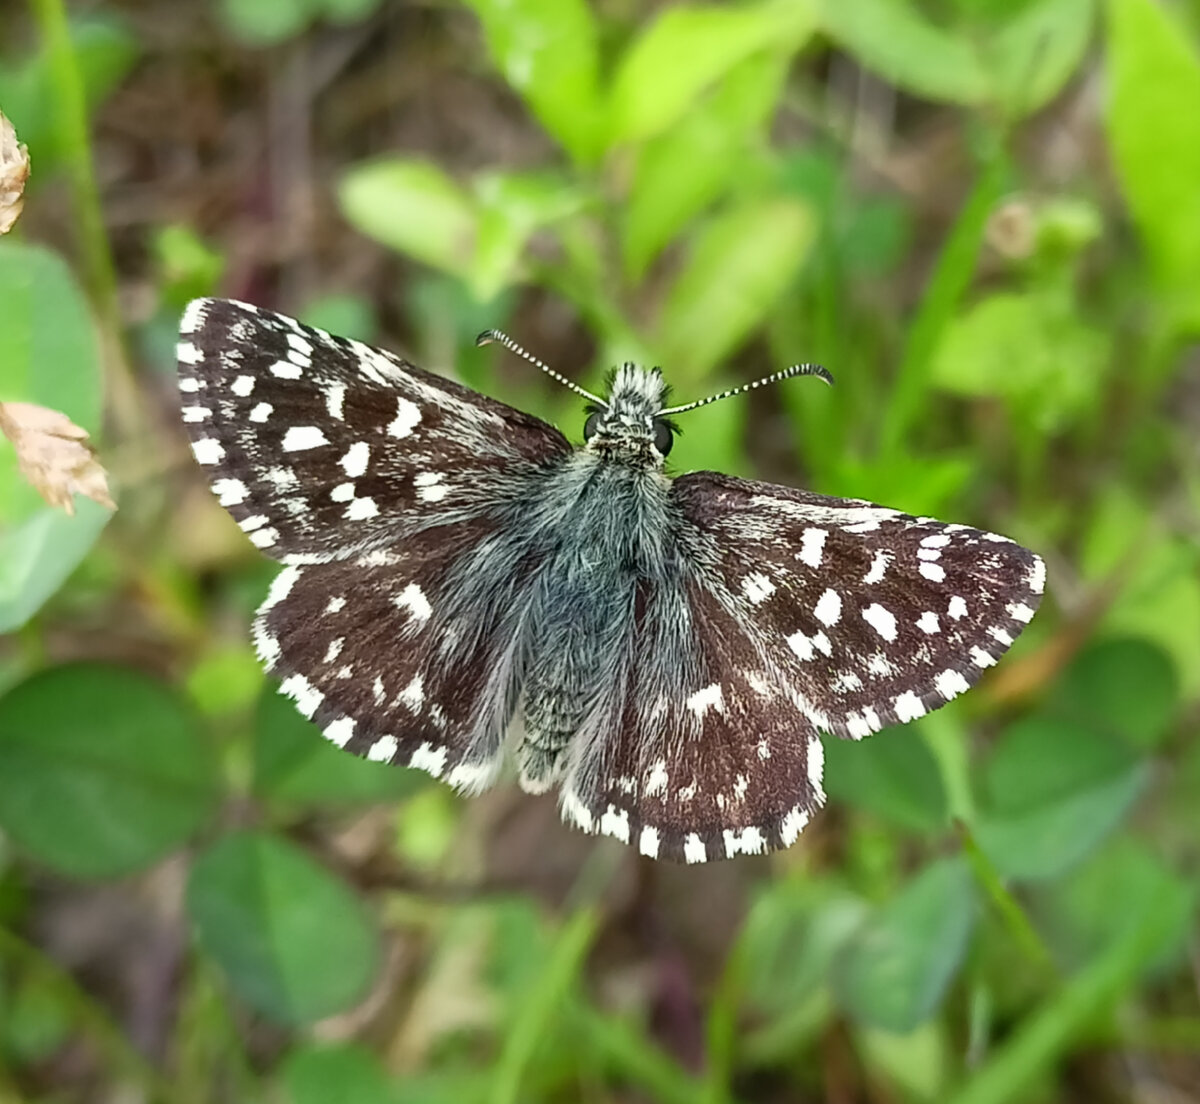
column 323, row 447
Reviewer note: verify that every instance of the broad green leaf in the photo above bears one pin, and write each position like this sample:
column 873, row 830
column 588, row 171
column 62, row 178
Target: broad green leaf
column 892, row 775
column 686, row 49
column 739, row 265
column 346, row 1072
column 264, row 24
column 293, row 941
column 105, row 50
column 1160, row 600
column 790, row 938
column 414, row 207
column 48, row 356
column 1154, row 133
column 892, row 38
column 893, row 972
column 681, row 171
column 549, row 54
column 1055, row 789
column 1029, row 349
column 1092, row 907
column 919, row 1062
column 1128, row 687
column 295, row 764
column 512, row 207
column 1033, row 55
column 102, row 770
column 38, row 554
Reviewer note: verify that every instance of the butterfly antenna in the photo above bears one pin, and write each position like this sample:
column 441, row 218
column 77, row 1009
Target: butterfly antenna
column 787, row 373
column 488, row 336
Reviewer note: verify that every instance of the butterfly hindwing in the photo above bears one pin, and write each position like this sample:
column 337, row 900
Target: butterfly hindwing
column 322, row 447
column 870, row 615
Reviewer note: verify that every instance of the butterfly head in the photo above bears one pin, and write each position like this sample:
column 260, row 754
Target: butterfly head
column 628, row 423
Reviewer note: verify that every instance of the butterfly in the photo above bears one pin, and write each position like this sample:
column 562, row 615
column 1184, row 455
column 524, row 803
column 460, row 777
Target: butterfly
column 463, row 586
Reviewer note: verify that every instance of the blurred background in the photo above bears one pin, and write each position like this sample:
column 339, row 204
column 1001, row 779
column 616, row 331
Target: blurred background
column 983, row 216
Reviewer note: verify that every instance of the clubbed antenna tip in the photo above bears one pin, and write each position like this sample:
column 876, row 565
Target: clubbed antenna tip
column 787, row 373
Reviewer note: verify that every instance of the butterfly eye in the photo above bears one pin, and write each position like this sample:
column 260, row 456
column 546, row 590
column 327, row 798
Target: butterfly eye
column 591, row 427
column 664, row 436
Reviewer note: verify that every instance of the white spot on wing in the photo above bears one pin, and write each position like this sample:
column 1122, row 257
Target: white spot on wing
column 828, row 609
column 878, row 567
column 792, row 825
column 193, row 315
column 648, row 841
column 812, row 543
column 357, row 457
column 694, row 850
column 243, row 386
column 957, row 609
column 1037, row 575
column 881, row 620
column 982, row 658
column 306, row 696
column 428, row 758
column 302, row 438
column 909, row 707
column 361, row 509
column 187, row 353
column 950, row 684
column 1019, row 611
column 757, row 588
column 413, row 599
column 208, row 450
column 335, row 401
column 230, row 492
column 928, row 622
column 656, row 779
column 701, row 700
column 408, row 417
column 339, row 732
column 285, row 369
column 383, row 749
column 615, row 823
column 261, row 412
column 933, row 572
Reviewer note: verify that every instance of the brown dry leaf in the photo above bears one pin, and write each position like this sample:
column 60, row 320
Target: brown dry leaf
column 54, row 455
column 14, row 171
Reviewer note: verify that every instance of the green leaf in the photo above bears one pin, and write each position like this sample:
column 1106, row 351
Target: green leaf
column 48, row 356
column 102, row 770
column 893, row 775
column 1127, row 687
column 295, row 764
column 686, row 49
column 347, row 1073
column 414, row 207
column 1056, row 789
column 892, row 38
column 681, row 171
column 105, row 51
column 1153, row 75
column 1036, row 52
column 549, row 54
column 264, row 24
column 1028, row 349
column 739, row 265
column 512, row 207
column 895, row 969
column 293, row 941
column 1100, row 901
column 38, row 554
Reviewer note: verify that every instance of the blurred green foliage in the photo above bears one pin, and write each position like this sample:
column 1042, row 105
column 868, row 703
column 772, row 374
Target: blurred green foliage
column 1001, row 890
